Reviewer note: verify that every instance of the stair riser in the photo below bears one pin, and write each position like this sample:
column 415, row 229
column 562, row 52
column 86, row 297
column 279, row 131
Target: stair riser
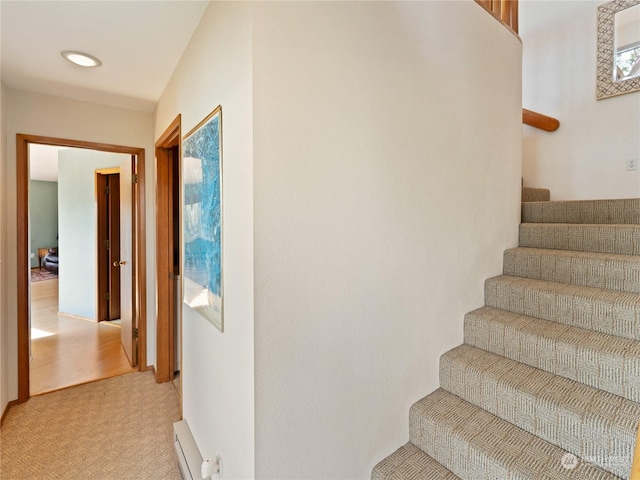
column 618, row 239
column 594, row 310
column 614, row 272
column 625, row 211
column 561, row 350
column 557, row 410
column 475, row 444
column 551, row 364
column 535, row 194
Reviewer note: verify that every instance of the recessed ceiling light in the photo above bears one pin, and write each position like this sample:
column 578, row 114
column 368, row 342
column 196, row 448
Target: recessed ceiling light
column 82, row 59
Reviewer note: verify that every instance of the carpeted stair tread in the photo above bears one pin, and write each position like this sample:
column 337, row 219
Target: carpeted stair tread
column 626, row 211
column 566, row 413
column 596, row 359
column 475, row 444
column 599, row 238
column 600, row 270
column 410, row 463
column 601, row 310
column 551, row 364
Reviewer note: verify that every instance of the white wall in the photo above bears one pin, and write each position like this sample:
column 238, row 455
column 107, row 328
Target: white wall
column 628, row 34
column 217, row 369
column 387, row 163
column 50, row 116
column 43, row 218
column 77, row 226
column 4, row 370
column 586, row 157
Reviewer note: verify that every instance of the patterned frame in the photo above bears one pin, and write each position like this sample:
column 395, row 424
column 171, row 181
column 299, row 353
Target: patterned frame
column 605, row 84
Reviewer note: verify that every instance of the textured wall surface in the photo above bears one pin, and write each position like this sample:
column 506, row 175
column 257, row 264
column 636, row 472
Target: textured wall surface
column 217, row 378
column 78, row 228
column 387, row 150
column 586, row 157
column 4, row 322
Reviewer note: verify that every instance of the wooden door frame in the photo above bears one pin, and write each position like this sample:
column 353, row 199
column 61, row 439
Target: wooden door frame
column 169, row 139
column 22, row 213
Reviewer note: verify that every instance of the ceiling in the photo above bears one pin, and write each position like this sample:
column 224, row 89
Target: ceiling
column 138, row 42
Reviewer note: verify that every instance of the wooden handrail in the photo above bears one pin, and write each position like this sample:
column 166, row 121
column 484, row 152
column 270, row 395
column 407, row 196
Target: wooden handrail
column 539, row 120
column 504, row 10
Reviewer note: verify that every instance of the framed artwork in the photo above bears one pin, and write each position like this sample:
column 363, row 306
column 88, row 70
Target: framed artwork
column 202, row 218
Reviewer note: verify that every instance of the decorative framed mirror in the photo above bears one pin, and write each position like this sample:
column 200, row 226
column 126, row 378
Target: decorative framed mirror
column 618, row 58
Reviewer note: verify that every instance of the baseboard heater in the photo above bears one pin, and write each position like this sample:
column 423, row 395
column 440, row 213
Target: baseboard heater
column 189, row 457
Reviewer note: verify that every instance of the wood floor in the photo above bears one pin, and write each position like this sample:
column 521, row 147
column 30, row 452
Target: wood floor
column 68, row 351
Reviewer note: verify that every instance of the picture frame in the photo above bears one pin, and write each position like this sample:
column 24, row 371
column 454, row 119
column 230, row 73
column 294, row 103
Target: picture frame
column 202, row 218
column 607, row 85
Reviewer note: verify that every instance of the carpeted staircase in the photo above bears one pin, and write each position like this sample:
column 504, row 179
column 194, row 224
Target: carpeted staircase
column 547, row 383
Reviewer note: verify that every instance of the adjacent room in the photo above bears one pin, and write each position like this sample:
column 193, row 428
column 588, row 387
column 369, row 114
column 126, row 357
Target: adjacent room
column 75, row 297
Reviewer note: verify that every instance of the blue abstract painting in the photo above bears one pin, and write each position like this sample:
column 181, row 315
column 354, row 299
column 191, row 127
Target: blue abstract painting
column 202, row 218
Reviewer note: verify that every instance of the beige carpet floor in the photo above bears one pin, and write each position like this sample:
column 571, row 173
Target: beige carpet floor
column 115, row 429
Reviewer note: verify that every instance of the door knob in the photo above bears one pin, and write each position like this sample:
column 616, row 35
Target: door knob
column 121, row 262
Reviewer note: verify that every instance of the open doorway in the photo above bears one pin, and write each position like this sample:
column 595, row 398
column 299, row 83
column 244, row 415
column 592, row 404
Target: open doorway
column 108, row 245
column 130, row 336
column 169, row 255
column 68, row 346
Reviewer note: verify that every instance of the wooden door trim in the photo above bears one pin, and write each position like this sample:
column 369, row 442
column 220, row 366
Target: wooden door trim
column 108, row 171
column 164, row 333
column 171, row 136
column 163, row 268
column 22, row 212
column 22, row 221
